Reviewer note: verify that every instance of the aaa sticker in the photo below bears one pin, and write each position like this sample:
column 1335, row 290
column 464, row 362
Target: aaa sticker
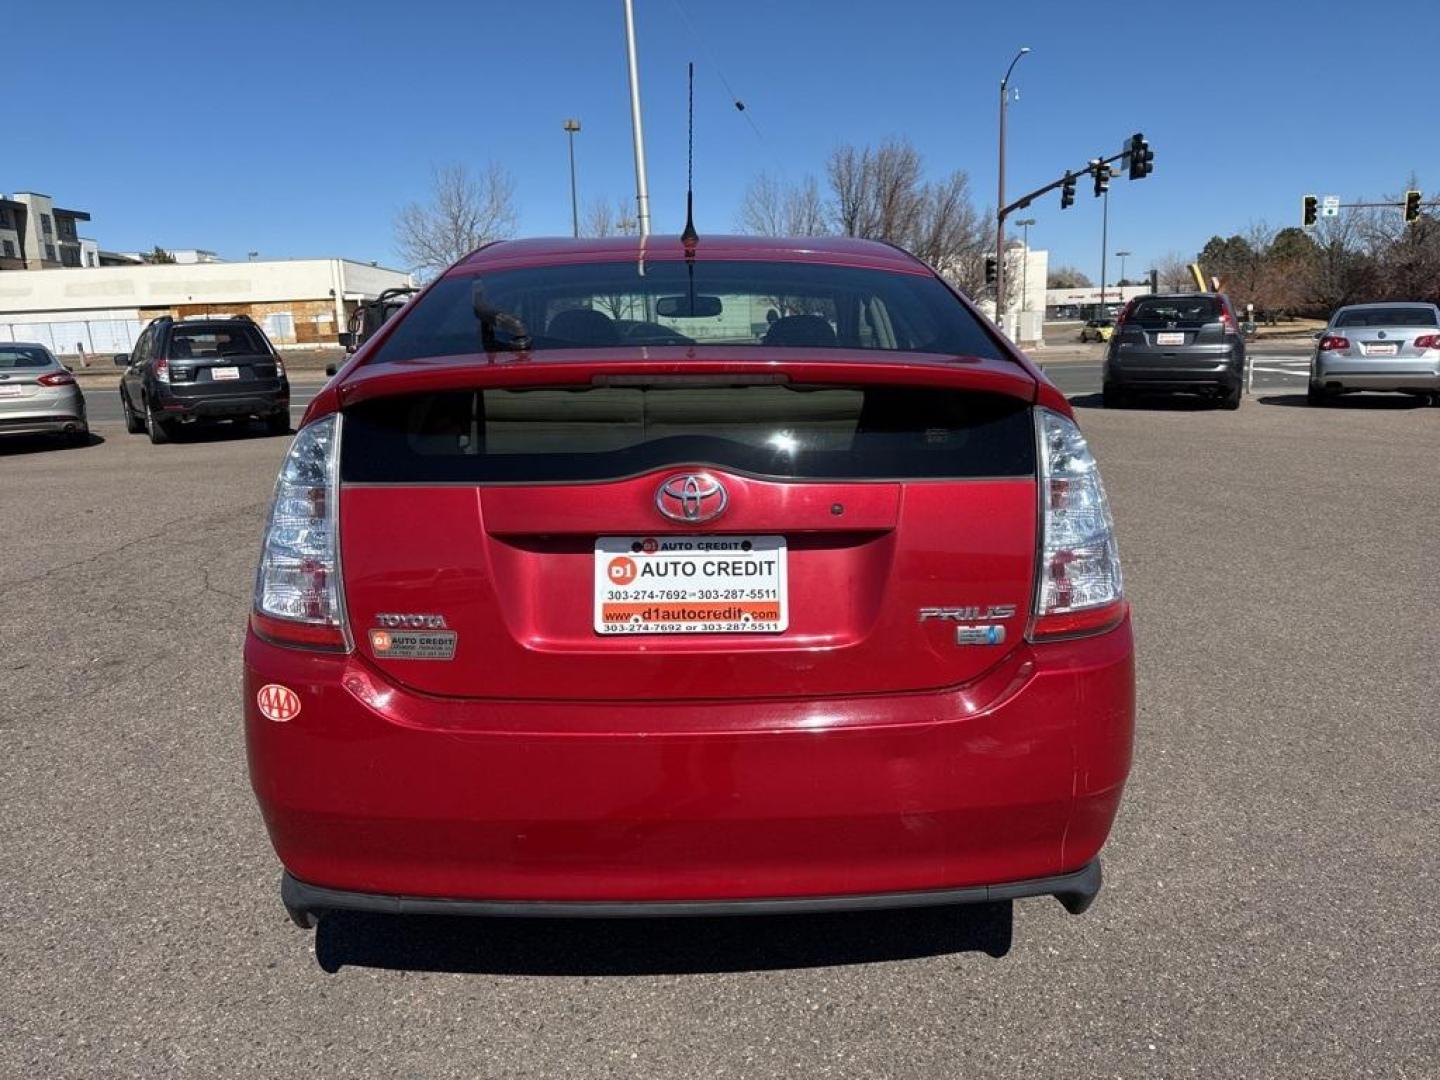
column 278, row 703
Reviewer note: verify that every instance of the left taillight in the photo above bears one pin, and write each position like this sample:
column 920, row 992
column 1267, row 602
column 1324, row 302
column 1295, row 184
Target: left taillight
column 57, row 378
column 298, row 600
column 1079, row 587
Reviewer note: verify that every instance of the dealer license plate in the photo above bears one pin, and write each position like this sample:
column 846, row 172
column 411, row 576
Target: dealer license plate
column 218, row 373
column 1387, row 349
column 1169, row 339
column 690, row 585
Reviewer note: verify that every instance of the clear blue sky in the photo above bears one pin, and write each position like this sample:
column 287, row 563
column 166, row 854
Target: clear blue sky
column 298, row 129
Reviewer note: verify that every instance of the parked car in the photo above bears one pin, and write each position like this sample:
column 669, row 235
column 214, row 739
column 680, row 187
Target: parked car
column 1097, row 330
column 38, row 394
column 1389, row 346
column 184, row 371
column 817, row 620
column 1176, row 343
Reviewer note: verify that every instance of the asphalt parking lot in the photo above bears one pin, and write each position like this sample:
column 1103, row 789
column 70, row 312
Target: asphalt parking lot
column 1269, row 906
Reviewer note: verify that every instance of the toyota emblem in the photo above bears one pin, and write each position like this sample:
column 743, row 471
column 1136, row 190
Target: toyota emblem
column 692, row 498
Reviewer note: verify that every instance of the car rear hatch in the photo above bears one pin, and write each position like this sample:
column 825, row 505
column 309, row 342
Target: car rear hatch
column 1174, row 327
column 495, row 522
column 209, row 360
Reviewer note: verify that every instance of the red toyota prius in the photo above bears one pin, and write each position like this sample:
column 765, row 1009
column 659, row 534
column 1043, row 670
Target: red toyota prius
column 628, row 576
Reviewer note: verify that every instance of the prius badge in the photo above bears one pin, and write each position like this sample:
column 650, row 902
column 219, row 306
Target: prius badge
column 970, row 631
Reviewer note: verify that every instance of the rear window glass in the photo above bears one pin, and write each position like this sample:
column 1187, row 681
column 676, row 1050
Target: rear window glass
column 1394, row 316
column 736, row 303
column 21, row 356
column 211, row 342
column 603, row 433
column 1176, row 309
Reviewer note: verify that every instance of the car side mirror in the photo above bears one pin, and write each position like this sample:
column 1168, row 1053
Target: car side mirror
column 330, row 369
column 122, row 359
column 347, row 340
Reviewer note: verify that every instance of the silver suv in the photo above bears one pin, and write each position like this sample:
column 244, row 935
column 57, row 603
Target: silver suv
column 1394, row 347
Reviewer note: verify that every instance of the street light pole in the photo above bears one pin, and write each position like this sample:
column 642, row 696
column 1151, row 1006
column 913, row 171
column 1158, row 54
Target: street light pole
column 1122, row 256
column 1104, row 239
column 642, row 192
column 1025, row 224
column 1000, row 201
column 571, row 127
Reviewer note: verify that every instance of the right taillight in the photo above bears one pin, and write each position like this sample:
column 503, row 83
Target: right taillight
column 297, row 587
column 1428, row 341
column 1079, row 587
column 1331, row 342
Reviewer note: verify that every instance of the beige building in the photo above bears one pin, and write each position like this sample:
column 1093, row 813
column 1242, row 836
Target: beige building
column 299, row 302
column 35, row 234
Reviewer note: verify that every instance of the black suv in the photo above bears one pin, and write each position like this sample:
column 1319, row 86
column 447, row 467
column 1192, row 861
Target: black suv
column 1185, row 342
column 215, row 368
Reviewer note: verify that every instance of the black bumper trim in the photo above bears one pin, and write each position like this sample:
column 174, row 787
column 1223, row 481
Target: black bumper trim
column 305, row 903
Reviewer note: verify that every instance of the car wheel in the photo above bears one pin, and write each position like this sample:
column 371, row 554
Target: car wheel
column 1112, row 397
column 278, row 423
column 133, row 424
column 156, row 428
column 1230, row 400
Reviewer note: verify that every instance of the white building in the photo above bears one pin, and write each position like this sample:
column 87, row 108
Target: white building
column 102, row 310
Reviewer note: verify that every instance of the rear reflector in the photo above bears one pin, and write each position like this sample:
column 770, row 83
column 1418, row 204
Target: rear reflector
column 1079, row 586
column 297, row 587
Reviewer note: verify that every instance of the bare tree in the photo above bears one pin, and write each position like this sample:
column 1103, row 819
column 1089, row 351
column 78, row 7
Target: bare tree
column 464, row 211
column 1172, row 273
column 604, row 218
column 877, row 193
column 1068, row 277
column 771, row 208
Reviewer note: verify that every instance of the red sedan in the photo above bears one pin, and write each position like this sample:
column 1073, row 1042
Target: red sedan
column 630, row 577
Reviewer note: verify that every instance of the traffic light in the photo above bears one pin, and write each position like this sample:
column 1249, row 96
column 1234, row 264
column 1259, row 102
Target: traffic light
column 1102, row 178
column 990, row 268
column 1142, row 158
column 1412, row 206
column 1067, row 192
column 1308, row 211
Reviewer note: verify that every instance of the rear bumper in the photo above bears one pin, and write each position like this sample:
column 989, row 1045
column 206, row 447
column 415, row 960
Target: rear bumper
column 1077, row 891
column 1419, row 381
column 1154, row 371
column 379, row 792
column 41, row 425
column 250, row 401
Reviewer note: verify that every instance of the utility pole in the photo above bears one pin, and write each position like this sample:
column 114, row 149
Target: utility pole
column 1000, row 202
column 642, row 192
column 1025, row 224
column 571, row 127
column 1104, row 238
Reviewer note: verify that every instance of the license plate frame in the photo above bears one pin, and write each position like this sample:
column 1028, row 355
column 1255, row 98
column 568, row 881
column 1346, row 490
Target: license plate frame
column 224, row 374
column 1170, row 337
column 675, row 586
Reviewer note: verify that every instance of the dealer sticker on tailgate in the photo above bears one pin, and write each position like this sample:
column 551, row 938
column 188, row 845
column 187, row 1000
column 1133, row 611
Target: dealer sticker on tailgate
column 690, row 585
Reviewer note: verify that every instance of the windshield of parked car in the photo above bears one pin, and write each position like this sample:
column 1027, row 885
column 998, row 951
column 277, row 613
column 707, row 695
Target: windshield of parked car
column 776, row 305
column 1389, row 316
column 212, row 342
column 21, row 356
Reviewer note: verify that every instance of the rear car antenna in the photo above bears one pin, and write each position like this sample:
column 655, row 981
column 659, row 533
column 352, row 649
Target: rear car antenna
column 690, row 237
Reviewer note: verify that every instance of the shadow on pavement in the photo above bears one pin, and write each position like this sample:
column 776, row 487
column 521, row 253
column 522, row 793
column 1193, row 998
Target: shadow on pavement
column 44, row 444
column 656, row 946
column 1158, row 403
column 227, row 431
column 1357, row 402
